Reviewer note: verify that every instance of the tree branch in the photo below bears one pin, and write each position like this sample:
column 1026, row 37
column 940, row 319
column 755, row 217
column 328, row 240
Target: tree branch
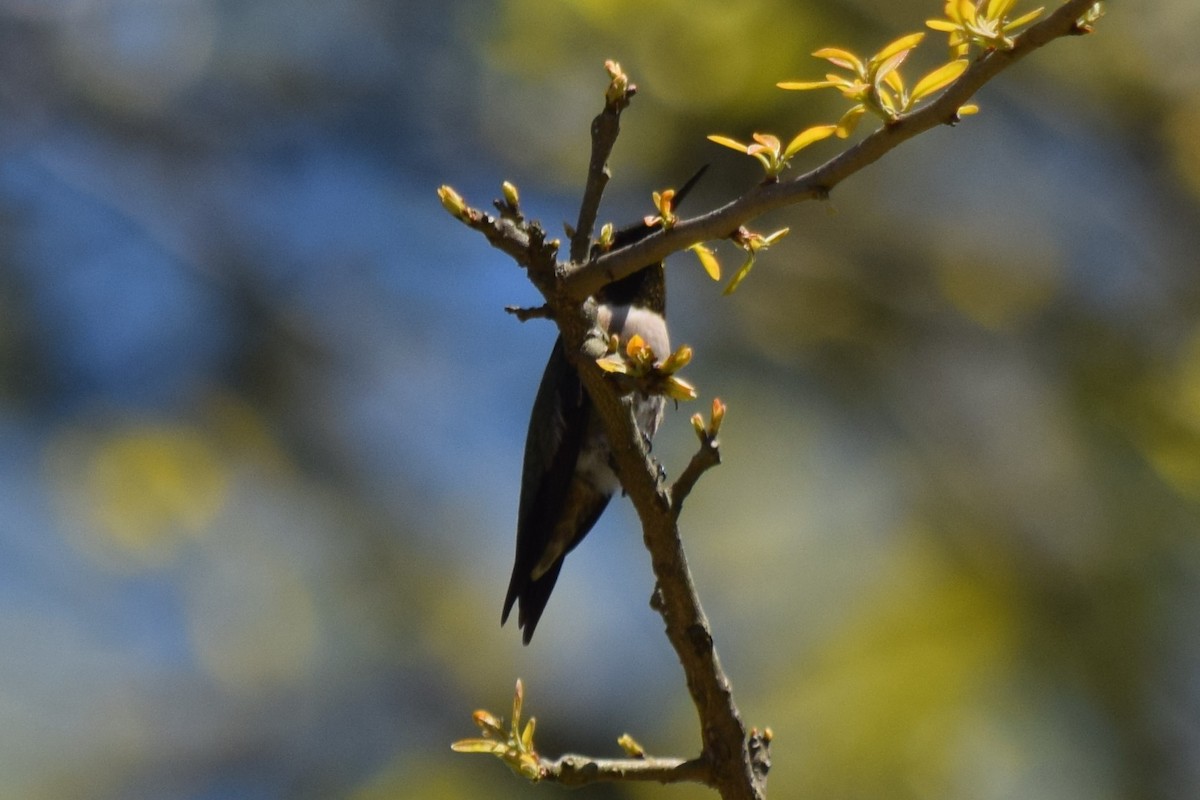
column 733, row 762
column 723, row 734
column 584, row 279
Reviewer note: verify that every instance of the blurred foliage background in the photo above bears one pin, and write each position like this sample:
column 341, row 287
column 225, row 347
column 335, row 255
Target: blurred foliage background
column 261, row 412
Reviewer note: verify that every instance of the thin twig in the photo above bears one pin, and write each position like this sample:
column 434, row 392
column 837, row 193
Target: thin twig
column 577, row 770
column 707, row 457
column 605, row 129
column 514, row 239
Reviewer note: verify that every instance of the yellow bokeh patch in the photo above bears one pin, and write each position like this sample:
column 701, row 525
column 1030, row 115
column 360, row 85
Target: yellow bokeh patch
column 135, row 492
column 994, row 293
column 150, row 482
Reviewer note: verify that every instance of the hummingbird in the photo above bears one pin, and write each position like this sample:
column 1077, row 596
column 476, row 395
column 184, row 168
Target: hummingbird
column 568, row 475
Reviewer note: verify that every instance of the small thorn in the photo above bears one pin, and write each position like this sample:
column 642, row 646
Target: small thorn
column 657, row 602
column 526, row 314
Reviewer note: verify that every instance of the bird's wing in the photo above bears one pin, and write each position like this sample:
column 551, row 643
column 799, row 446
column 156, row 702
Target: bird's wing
column 557, row 428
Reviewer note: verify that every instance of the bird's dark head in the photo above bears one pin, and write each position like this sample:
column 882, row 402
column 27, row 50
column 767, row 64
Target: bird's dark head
column 646, row 287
